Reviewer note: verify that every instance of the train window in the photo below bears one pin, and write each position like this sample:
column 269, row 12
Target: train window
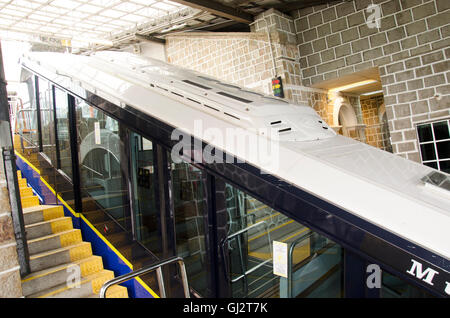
column 103, row 188
column 434, row 144
column 190, row 210
column 62, row 125
column 146, row 214
column 47, row 120
column 394, row 287
column 26, row 118
column 252, row 229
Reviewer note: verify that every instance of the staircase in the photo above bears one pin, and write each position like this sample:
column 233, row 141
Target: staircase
column 62, row 265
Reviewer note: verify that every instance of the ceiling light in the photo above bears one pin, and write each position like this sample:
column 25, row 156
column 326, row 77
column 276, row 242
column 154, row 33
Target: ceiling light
column 372, row 93
column 354, row 85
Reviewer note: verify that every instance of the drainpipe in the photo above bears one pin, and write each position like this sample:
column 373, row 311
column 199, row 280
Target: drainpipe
column 7, row 152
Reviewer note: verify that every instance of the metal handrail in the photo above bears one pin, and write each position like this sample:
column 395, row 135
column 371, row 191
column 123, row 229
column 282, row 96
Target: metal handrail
column 148, row 269
column 291, row 251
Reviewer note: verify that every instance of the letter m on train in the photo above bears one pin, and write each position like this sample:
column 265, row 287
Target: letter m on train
column 417, row 271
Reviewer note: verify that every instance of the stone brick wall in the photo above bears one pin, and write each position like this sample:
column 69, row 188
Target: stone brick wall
column 10, row 281
column 377, row 134
column 411, row 49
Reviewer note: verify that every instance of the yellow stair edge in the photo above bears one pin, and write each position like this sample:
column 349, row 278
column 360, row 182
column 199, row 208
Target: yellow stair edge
column 117, row 291
column 58, row 225
column 88, row 266
column 96, row 279
column 69, row 237
column 76, row 251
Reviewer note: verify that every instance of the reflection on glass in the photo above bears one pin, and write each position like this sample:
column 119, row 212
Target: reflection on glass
column 425, row 133
column 144, row 180
column 62, row 125
column 47, row 120
column 189, row 204
column 443, row 149
column 428, row 152
column 394, row 287
column 26, row 118
column 253, row 227
column 441, row 130
column 101, row 178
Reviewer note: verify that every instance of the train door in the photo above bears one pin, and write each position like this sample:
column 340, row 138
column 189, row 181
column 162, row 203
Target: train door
column 262, row 248
column 147, row 219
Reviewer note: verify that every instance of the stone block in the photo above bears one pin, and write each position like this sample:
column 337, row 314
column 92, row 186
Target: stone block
column 409, row 43
column 310, row 35
column 396, row 34
column 305, row 49
column 406, row 146
column 353, row 59
column 360, row 45
column 415, row 84
column 438, row 20
column 372, row 54
column 416, row 27
column 333, row 40
column 378, row 39
column 356, row 19
column 329, row 14
column 8, row 258
column 6, row 229
column 343, row 50
column 10, row 285
column 345, row 9
column 396, row 88
column 314, row 59
column 404, row 76
column 423, row 71
column 319, row 45
column 442, row 5
column 434, row 80
column 349, row 35
column 397, row 67
column 390, row 7
column 419, row 107
column 406, row 4
column 404, row 123
column 403, row 17
column 391, row 48
column 425, row 93
column 407, row 97
column 429, row 36
column 401, row 110
column 324, row 30
column 339, row 25
column 327, row 55
column 413, row 62
column 424, row 11
column 315, row 19
column 441, row 67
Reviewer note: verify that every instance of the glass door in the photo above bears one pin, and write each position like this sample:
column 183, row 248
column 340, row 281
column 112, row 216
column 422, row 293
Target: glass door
column 147, row 218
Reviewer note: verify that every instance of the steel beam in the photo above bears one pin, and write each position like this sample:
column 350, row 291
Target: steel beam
column 218, row 9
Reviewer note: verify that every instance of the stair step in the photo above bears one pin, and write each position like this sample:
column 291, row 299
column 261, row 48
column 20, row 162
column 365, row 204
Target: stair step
column 30, row 201
column 60, row 256
column 26, row 192
column 88, row 285
column 41, row 213
column 54, row 241
column 49, row 227
column 56, row 275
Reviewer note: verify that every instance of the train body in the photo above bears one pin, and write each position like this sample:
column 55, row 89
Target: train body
column 226, row 178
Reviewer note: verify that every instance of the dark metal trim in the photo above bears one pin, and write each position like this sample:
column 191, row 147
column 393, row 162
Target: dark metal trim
column 38, row 113
column 218, row 9
column 74, row 153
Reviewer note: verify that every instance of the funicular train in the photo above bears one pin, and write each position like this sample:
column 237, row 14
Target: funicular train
column 167, row 162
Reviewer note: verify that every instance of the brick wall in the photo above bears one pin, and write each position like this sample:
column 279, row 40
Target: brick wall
column 377, row 132
column 10, row 281
column 411, row 49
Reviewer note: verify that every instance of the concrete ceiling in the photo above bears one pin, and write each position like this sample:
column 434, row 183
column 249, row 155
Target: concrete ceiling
column 343, row 84
column 99, row 24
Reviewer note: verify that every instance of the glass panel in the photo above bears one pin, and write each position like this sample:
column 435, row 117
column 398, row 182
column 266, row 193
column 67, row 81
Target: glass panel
column 26, row 116
column 147, row 216
column 425, row 133
column 102, row 179
column 394, row 287
column 62, row 124
column 443, row 149
column 441, row 130
column 445, row 166
column 428, row 152
column 431, row 164
column 47, row 120
column 253, row 227
column 189, row 205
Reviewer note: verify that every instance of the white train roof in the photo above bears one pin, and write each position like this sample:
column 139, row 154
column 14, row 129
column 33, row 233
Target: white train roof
column 377, row 186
